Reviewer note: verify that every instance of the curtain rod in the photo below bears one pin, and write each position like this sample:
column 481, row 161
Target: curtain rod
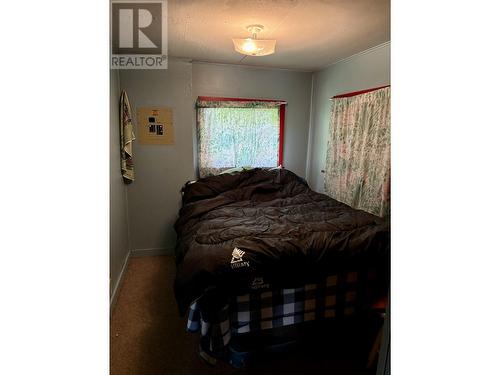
column 354, row 93
column 223, row 99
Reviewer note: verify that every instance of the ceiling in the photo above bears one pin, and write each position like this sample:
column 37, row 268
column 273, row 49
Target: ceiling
column 310, row 34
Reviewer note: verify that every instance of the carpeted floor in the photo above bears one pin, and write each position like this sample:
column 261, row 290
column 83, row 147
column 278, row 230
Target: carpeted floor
column 148, row 337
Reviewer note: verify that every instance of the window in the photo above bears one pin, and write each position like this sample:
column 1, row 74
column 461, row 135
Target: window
column 239, row 133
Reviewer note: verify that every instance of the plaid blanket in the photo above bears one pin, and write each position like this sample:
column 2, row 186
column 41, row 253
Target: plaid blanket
column 334, row 296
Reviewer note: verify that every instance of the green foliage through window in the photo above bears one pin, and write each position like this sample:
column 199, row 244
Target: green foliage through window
column 238, row 137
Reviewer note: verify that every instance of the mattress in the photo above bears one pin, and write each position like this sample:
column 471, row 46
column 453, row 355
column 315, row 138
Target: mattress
column 267, row 227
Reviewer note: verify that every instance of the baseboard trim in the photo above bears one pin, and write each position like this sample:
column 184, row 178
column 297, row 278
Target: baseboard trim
column 151, row 252
column 134, row 254
column 118, row 285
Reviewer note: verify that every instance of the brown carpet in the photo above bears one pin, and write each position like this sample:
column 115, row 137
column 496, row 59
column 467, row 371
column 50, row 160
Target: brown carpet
column 149, row 338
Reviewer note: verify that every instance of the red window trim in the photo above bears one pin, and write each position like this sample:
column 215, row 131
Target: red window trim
column 354, row 93
column 223, row 99
column 281, row 135
column 282, row 117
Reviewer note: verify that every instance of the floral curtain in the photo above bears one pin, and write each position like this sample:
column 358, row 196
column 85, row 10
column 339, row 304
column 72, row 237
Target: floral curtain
column 235, row 103
column 358, row 169
column 237, row 134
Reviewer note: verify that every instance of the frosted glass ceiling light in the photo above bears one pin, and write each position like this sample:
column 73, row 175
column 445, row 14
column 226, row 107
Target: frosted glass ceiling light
column 253, row 46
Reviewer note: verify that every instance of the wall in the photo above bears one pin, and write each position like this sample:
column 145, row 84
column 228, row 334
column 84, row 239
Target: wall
column 154, row 197
column 367, row 69
column 248, row 82
column 119, row 238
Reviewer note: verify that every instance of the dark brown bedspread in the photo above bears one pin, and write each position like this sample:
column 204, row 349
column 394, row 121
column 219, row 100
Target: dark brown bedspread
column 269, row 224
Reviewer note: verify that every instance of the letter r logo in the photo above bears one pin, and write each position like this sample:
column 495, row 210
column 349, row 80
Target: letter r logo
column 136, row 28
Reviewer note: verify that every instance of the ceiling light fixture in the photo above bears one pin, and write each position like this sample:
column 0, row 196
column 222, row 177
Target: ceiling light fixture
column 253, row 46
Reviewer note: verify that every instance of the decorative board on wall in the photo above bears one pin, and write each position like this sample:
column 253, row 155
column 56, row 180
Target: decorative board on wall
column 155, row 125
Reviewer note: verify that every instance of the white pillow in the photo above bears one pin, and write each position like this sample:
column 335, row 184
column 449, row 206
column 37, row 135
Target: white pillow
column 236, row 169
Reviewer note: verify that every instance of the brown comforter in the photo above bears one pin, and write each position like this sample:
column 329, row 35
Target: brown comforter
column 268, row 226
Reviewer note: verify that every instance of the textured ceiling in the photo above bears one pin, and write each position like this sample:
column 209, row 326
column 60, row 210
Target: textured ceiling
column 310, row 34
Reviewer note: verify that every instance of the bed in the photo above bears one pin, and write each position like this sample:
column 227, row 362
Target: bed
column 258, row 250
